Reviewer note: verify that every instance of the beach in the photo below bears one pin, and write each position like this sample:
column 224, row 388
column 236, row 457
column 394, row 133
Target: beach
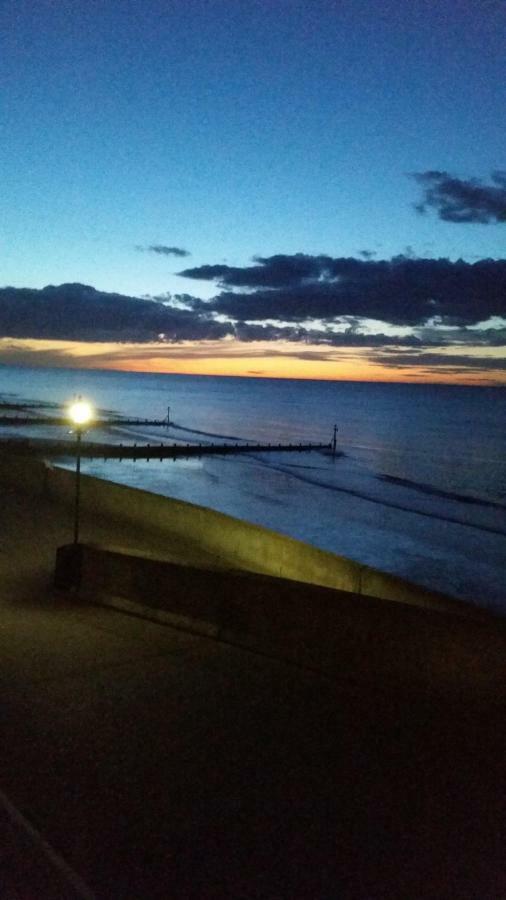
column 253, row 451
column 416, row 489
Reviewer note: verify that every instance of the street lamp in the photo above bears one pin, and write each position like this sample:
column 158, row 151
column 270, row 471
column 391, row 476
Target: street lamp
column 80, row 414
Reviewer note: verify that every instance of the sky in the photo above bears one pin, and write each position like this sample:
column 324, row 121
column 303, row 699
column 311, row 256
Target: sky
column 291, row 188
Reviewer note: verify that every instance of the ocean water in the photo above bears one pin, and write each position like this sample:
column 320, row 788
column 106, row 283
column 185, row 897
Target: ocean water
column 418, row 487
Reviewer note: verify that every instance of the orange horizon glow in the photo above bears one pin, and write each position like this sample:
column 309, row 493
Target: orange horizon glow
column 252, row 360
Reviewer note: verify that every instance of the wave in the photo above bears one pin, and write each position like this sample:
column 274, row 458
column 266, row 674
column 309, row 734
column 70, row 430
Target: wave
column 381, row 501
column 439, row 492
column 299, row 466
column 132, row 429
column 224, row 437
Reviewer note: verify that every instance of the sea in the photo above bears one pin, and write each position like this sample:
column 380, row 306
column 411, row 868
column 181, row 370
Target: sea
column 416, row 488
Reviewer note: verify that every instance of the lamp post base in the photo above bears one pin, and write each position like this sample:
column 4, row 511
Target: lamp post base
column 68, row 567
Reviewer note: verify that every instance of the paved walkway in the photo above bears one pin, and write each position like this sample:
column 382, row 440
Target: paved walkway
column 137, row 761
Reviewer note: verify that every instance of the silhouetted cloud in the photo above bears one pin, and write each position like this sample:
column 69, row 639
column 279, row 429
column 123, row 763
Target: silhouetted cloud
column 402, row 291
column 163, row 250
column 248, row 332
column 458, row 362
column 438, row 333
column 77, row 312
column 270, row 272
column 301, row 306
column 463, row 200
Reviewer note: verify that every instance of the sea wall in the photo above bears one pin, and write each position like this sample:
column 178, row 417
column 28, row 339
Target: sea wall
column 267, row 592
column 233, row 543
column 354, row 638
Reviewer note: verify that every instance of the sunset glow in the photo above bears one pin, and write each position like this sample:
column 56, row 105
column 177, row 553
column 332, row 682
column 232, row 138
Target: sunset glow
column 260, row 194
column 256, row 359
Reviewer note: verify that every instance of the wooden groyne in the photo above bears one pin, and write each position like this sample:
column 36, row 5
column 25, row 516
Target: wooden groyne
column 65, row 423
column 150, row 451
column 108, row 450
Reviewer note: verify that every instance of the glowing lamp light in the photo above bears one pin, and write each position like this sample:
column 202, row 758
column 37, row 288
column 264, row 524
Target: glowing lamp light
column 81, row 412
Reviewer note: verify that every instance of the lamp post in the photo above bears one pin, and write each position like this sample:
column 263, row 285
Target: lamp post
column 80, row 414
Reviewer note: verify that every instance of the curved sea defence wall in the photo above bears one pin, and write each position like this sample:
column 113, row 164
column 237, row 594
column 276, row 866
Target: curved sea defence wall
column 351, row 637
column 258, row 589
column 233, row 543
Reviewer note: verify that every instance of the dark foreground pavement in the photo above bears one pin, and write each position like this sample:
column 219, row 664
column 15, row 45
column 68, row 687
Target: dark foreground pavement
column 163, row 765
column 152, row 763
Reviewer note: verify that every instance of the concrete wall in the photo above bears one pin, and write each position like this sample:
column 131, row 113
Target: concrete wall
column 234, row 544
column 423, row 639
column 358, row 639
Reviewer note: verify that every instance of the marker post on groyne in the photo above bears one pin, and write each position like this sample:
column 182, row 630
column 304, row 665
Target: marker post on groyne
column 334, row 441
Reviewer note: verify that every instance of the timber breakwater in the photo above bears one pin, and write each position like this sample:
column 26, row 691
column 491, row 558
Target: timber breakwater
column 103, row 450
column 114, row 450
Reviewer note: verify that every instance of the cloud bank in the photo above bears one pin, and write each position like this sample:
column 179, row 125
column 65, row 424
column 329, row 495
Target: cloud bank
column 403, row 291
column 403, row 313
column 77, row 312
column 461, row 200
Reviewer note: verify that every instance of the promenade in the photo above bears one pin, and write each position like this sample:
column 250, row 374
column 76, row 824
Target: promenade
column 140, row 761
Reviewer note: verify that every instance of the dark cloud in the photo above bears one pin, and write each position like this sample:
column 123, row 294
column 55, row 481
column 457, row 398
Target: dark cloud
column 484, row 337
column 248, row 332
column 367, row 254
column 319, row 306
column 461, row 200
column 78, row 312
column 461, row 362
column 162, row 250
column 401, row 291
column 493, row 337
column 269, row 272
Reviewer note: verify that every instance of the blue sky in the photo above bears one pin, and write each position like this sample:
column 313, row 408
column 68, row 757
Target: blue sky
column 234, row 128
